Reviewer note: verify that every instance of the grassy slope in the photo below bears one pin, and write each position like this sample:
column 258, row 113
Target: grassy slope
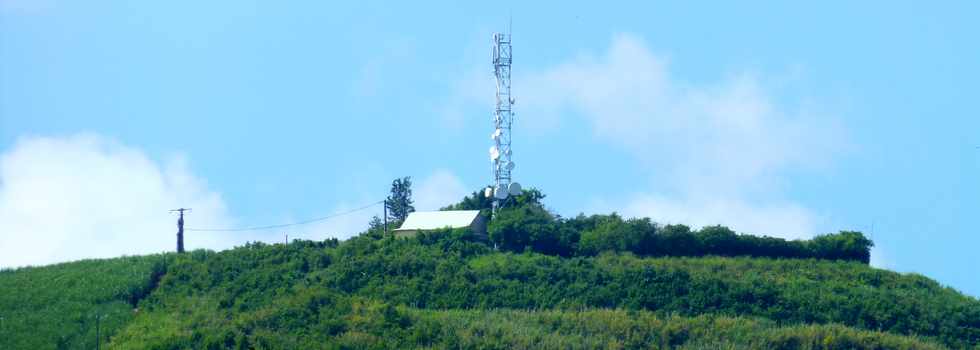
column 444, row 292
column 55, row 306
column 370, row 324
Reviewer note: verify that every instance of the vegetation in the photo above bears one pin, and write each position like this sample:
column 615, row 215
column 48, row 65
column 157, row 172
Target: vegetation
column 380, row 292
column 442, row 290
column 584, row 282
column 314, row 321
column 525, row 225
column 56, row 307
column 399, row 203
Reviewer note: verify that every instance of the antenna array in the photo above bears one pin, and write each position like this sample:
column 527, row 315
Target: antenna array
column 503, row 119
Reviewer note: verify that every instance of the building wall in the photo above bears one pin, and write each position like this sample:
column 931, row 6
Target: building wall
column 478, row 227
column 406, row 233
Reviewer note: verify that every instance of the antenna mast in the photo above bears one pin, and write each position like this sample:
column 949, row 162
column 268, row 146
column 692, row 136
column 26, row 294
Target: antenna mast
column 501, row 163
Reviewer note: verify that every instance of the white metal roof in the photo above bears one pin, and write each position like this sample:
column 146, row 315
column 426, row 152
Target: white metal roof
column 431, row 220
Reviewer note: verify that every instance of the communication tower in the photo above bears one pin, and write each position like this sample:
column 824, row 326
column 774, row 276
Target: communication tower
column 501, row 154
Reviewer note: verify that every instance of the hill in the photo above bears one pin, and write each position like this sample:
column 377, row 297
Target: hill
column 551, row 282
column 442, row 290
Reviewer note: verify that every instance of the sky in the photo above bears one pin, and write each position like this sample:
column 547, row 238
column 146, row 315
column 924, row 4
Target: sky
column 774, row 118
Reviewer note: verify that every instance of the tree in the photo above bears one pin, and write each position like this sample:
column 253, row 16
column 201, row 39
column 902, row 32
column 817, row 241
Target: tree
column 518, row 228
column 718, row 240
column 399, row 203
column 678, row 240
column 375, row 224
column 846, row 245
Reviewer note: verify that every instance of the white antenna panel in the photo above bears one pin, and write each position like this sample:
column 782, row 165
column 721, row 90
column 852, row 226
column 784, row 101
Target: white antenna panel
column 515, row 189
column 500, row 192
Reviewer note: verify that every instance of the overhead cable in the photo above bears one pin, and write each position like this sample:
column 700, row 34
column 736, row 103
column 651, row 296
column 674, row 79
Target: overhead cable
column 257, row 228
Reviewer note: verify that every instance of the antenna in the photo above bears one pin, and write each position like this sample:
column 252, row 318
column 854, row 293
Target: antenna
column 501, row 163
column 180, row 228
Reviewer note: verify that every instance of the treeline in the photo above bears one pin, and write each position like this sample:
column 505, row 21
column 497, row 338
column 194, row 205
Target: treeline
column 524, row 225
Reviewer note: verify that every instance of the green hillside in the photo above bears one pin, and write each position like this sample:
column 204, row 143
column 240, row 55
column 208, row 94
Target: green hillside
column 584, row 282
column 441, row 290
column 57, row 306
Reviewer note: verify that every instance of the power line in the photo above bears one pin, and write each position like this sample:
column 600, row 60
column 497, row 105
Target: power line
column 256, row 228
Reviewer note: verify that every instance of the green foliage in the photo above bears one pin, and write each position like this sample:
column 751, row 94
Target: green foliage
column 336, row 322
column 477, row 201
column 848, row 245
column 521, row 227
column 55, row 307
column 586, row 282
column 443, row 289
column 531, row 227
column 399, row 203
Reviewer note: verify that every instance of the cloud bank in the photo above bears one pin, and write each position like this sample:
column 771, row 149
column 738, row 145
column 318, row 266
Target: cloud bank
column 84, row 196
column 722, row 149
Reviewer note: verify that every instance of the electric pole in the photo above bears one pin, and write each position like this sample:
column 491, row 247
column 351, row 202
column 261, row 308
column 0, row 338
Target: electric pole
column 180, row 228
column 98, row 338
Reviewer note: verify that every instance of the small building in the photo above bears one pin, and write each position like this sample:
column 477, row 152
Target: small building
column 434, row 220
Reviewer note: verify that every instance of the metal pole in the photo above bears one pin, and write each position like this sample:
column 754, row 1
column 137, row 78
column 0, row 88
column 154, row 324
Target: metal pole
column 98, row 339
column 386, row 216
column 180, row 233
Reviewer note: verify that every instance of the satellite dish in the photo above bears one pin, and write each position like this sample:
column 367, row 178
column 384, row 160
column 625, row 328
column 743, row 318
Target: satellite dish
column 488, row 192
column 494, row 153
column 510, row 166
column 514, row 188
column 500, row 192
column 496, row 135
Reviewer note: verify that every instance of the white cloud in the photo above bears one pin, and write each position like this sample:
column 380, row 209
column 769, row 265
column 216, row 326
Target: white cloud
column 723, row 148
column 440, row 189
column 83, row 196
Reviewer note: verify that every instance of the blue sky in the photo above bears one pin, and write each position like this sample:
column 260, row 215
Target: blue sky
column 771, row 117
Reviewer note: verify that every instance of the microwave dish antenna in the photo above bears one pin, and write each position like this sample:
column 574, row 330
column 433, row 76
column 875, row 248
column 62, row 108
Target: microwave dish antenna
column 501, row 154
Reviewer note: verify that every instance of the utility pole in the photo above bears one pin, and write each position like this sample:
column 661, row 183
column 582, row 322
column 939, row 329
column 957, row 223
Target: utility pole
column 98, row 338
column 386, row 216
column 180, row 228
